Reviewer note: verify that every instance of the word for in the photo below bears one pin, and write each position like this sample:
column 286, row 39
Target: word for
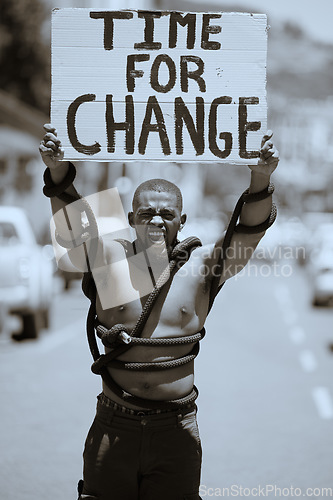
column 185, row 73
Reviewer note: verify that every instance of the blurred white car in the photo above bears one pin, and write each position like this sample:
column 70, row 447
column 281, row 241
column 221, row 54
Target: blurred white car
column 26, row 273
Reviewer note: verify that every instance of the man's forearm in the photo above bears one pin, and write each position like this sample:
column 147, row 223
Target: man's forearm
column 71, row 232
column 67, row 213
column 57, row 176
column 61, row 221
column 257, row 212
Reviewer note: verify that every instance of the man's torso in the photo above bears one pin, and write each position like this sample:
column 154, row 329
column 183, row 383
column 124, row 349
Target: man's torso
column 180, row 310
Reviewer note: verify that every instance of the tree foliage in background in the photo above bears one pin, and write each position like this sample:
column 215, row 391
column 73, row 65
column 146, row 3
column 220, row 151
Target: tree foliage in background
column 24, row 54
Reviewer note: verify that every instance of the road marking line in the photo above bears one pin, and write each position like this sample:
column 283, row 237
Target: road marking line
column 323, row 402
column 308, row 361
column 282, row 294
column 290, row 317
column 60, row 337
column 286, row 304
column 297, row 335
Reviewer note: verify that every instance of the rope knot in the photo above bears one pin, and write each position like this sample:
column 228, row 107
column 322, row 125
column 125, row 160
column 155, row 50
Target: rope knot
column 118, row 333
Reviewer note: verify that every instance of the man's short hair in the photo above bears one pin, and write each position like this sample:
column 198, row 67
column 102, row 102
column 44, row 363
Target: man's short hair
column 160, row 186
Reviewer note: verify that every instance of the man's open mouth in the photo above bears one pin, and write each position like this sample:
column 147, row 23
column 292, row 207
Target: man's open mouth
column 156, row 235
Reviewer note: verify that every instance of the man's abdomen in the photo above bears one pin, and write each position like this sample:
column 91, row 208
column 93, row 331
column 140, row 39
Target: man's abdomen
column 163, row 385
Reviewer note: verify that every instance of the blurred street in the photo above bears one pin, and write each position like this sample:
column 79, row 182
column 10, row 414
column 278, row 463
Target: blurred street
column 265, row 369
column 265, row 375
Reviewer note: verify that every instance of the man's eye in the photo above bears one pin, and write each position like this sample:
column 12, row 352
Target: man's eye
column 167, row 216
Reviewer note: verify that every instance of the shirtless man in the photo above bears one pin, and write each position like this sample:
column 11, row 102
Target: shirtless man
column 146, row 451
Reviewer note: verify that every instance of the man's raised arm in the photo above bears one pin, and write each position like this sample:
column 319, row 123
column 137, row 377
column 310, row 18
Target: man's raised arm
column 256, row 214
column 71, row 232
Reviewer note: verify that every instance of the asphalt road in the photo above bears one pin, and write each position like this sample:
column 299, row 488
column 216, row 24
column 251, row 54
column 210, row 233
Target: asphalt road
column 265, row 375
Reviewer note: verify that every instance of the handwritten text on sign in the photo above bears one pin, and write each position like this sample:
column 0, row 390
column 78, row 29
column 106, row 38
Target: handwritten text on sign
column 133, row 85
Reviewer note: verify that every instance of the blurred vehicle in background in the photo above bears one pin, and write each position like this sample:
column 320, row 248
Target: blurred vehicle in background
column 319, row 226
column 320, row 265
column 68, row 273
column 26, row 273
column 3, row 315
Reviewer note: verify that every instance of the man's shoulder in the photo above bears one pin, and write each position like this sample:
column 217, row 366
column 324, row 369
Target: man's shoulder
column 204, row 250
column 116, row 249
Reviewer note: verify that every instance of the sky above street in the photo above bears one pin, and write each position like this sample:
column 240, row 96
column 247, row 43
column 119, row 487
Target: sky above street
column 316, row 18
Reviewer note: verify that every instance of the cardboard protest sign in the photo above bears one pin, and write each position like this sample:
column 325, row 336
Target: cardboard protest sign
column 148, row 85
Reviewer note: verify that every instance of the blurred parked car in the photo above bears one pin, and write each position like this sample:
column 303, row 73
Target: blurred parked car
column 26, row 273
column 321, row 274
column 69, row 276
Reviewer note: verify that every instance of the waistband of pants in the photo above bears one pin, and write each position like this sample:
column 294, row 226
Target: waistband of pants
column 106, row 402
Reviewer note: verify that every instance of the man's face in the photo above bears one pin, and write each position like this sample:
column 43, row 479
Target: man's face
column 157, row 218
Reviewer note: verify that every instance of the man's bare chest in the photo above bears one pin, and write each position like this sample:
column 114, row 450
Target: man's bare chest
column 181, row 305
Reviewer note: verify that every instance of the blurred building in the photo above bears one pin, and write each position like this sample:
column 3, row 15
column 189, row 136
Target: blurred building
column 21, row 168
column 303, row 129
column 102, row 4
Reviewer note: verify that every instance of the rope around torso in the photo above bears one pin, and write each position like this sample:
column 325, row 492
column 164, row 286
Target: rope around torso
column 110, row 337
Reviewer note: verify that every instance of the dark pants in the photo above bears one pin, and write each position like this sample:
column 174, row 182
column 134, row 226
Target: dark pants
column 142, row 457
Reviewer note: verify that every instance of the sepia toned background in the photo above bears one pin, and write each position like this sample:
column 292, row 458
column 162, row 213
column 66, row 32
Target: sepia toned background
column 266, row 364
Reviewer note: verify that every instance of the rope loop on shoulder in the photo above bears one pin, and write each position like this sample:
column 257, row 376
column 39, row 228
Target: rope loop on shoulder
column 183, row 249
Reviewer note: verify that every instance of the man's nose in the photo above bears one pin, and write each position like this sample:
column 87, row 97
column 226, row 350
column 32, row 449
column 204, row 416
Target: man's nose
column 157, row 220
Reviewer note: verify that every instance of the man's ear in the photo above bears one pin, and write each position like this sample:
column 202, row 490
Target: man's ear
column 182, row 221
column 130, row 219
